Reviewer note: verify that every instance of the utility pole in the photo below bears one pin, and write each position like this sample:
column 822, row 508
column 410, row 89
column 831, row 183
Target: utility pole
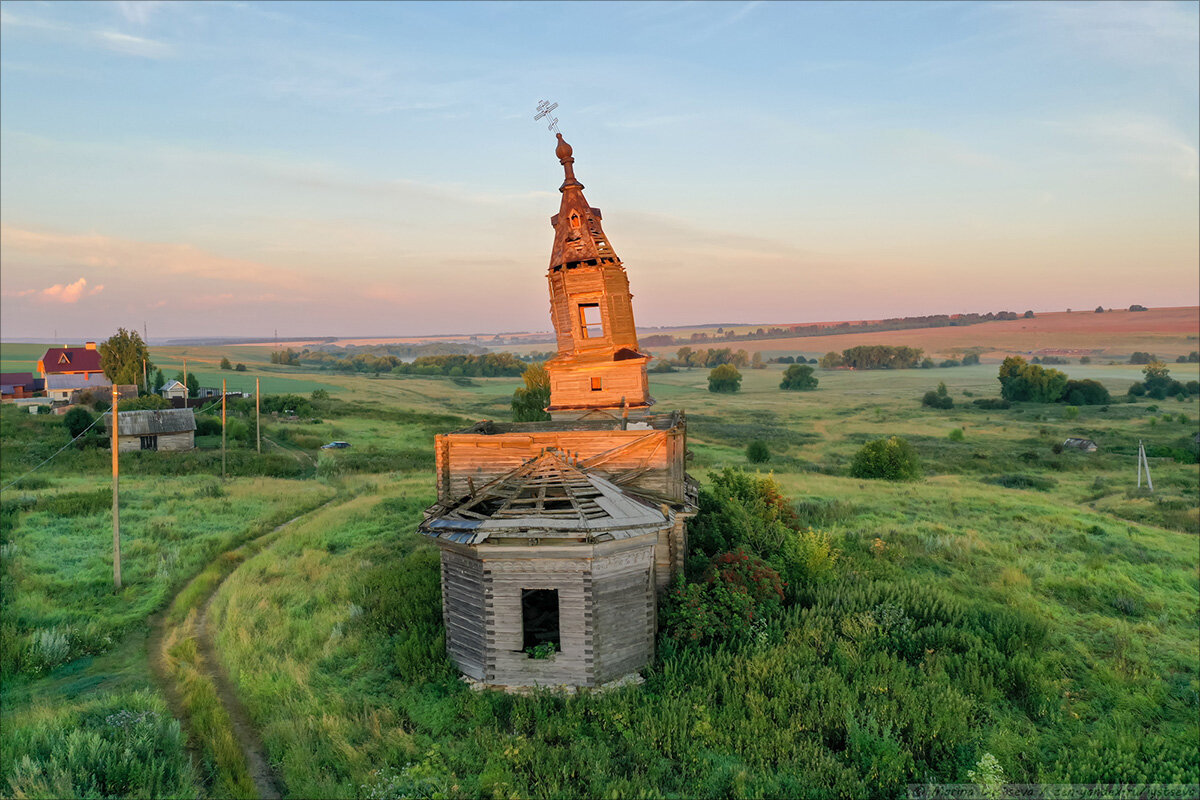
column 257, row 414
column 115, row 490
column 145, row 379
column 1143, row 463
column 186, row 393
column 222, row 428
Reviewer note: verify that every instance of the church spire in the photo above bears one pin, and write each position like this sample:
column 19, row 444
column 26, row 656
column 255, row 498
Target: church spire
column 598, row 366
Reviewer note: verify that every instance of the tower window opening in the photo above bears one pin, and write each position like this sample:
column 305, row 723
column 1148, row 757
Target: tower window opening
column 539, row 618
column 597, row 384
column 574, row 220
column 590, row 320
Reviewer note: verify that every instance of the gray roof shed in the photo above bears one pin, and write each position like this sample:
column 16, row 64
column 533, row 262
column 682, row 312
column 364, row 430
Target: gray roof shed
column 153, row 422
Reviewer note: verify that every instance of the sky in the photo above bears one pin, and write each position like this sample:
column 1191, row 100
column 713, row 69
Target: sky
column 374, row 169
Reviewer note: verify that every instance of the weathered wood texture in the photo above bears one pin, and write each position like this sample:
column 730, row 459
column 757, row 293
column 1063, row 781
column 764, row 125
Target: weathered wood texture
column 167, row 442
column 623, row 603
column 463, row 611
column 651, row 462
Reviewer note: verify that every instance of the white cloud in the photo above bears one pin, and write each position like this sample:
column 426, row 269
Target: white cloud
column 138, row 11
column 68, row 292
column 132, row 45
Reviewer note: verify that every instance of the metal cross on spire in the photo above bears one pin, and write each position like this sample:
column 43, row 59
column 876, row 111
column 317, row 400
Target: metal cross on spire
column 544, row 110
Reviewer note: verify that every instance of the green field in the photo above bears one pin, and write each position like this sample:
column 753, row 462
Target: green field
column 1017, row 602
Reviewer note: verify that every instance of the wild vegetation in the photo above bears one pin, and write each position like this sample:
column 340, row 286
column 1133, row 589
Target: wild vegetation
column 1009, row 610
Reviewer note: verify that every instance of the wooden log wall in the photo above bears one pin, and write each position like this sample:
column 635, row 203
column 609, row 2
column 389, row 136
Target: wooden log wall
column 463, row 609
column 571, row 383
column 623, row 610
column 483, row 457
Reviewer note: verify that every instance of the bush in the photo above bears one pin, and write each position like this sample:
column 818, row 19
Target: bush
column 146, row 402
column 891, row 459
column 956, row 435
column 1085, row 393
column 207, row 425
column 970, row 359
column 1140, row 357
column 240, row 367
column 938, row 398
column 225, row 363
column 724, row 378
column 1030, row 382
column 77, row 420
column 799, row 377
column 738, row 590
column 992, row 403
column 530, row 401
column 950, row 362
column 1022, row 481
column 757, row 452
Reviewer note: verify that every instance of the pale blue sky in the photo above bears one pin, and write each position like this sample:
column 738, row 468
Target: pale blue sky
column 344, row 168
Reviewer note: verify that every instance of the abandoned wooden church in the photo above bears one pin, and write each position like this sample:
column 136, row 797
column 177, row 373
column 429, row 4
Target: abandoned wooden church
column 557, row 536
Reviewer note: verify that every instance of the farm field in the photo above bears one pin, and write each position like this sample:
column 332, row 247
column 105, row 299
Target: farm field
column 1055, row 600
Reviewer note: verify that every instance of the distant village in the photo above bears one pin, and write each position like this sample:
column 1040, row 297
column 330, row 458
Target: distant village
column 68, row 377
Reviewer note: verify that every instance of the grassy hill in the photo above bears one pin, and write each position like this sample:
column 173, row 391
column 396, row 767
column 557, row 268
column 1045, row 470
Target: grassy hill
column 1016, row 602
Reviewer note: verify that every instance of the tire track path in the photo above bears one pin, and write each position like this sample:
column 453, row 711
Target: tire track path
column 267, row 782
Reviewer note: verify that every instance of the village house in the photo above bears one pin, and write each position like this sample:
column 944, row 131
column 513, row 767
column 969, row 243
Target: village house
column 168, row 429
column 19, row 384
column 173, row 389
column 1086, row 445
column 556, row 537
column 69, row 369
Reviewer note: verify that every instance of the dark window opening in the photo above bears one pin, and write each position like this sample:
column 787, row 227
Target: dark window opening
column 539, row 618
column 149, row 442
column 590, row 320
column 597, row 384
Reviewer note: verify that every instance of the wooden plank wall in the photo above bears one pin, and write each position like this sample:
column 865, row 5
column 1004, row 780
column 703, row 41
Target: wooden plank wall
column 504, row 579
column 624, row 613
column 485, row 457
column 167, row 442
column 463, row 610
column 571, row 383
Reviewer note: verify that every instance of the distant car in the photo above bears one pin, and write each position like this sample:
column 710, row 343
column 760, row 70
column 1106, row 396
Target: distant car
column 335, row 446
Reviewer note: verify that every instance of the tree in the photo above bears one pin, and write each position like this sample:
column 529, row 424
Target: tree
column 1030, row 382
column 891, row 459
column 756, row 361
column 970, row 359
column 158, row 381
column 225, row 363
column 724, row 378
column 1028, row 315
column 831, row 360
column 799, row 377
column 530, row 401
column 1141, row 357
column 757, row 452
column 77, row 420
column 1158, row 380
column 193, row 383
column 938, row 398
column 121, row 357
column 1137, row 307
column 1099, row 309
column 1085, row 393
column 240, row 367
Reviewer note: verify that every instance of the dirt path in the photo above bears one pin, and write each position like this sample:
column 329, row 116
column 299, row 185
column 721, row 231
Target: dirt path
column 267, row 783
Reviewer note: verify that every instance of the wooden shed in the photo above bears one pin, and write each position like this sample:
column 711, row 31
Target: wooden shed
column 548, row 576
column 164, row 429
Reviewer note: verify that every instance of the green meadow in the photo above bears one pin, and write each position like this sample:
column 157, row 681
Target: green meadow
column 1020, row 602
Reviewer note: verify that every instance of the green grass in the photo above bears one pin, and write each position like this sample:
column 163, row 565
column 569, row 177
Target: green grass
column 333, row 631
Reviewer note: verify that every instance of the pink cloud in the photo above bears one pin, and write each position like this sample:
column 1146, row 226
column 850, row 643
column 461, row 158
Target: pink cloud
column 69, row 292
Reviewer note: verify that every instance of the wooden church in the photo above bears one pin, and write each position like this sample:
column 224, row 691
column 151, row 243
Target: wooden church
column 556, row 537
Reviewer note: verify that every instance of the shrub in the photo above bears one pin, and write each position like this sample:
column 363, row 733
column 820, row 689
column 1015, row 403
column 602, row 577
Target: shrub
column 950, row 362
column 938, row 398
column 992, row 403
column 1140, row 357
column 240, row 367
column 1071, row 412
column 757, row 452
column 891, row 459
column 226, row 363
column 147, row 402
column 970, row 359
column 956, row 435
column 207, row 425
column 1137, row 389
column 77, row 420
column 738, row 589
column 1041, row 483
column 1030, row 382
column 799, row 377
column 724, row 378
column 530, row 401
column 1085, row 393
column 1085, row 359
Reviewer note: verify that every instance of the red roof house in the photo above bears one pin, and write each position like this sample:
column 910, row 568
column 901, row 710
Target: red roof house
column 70, row 360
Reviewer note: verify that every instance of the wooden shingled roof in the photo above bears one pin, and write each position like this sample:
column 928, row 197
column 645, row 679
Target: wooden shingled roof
column 546, row 497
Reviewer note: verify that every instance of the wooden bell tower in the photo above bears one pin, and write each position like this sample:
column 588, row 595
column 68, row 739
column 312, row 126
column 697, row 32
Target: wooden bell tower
column 598, row 368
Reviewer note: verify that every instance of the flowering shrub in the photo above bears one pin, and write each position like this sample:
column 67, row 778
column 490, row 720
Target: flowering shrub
column 738, row 590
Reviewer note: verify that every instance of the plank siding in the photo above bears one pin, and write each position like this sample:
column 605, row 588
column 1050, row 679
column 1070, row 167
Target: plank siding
column 463, row 612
